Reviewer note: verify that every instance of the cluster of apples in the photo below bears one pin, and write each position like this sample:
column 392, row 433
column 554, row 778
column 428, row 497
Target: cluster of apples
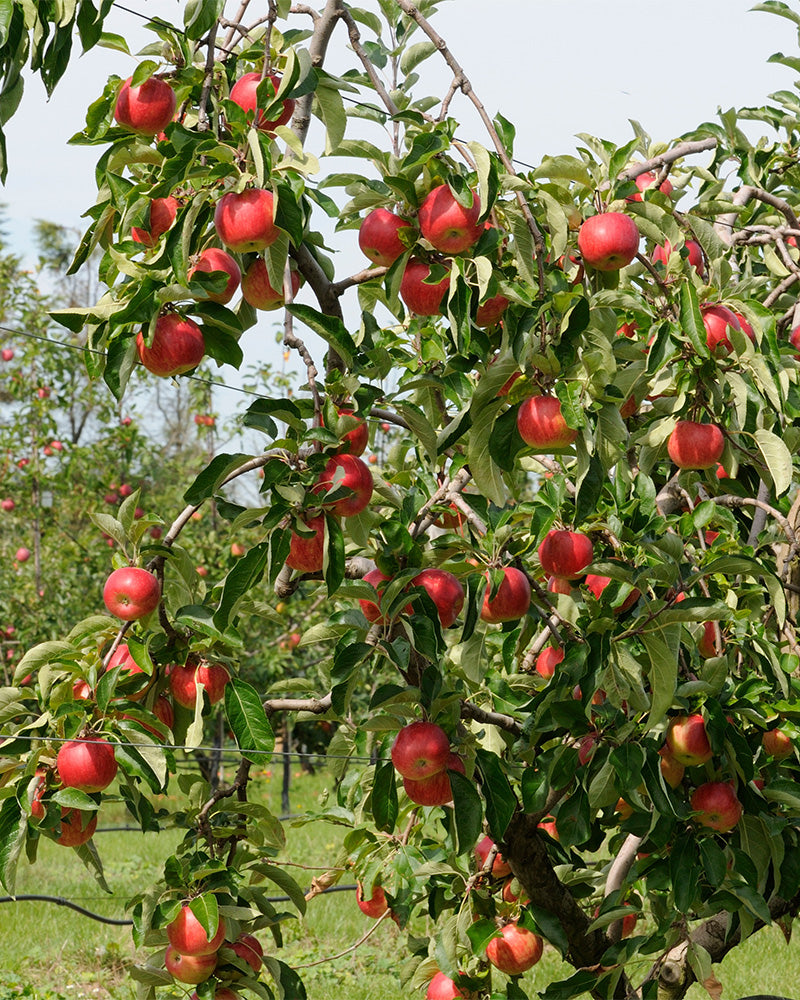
column 243, row 221
column 421, row 755
column 192, row 957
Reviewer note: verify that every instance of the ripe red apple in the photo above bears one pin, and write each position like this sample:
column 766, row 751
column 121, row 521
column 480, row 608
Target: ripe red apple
column 597, row 584
column 245, row 220
column 378, row 236
column 257, row 288
column 446, row 224
column 421, row 298
column 81, row 690
column 306, row 554
column 647, row 180
column 7, row 354
column 687, row 740
column 188, row 936
column 355, row 440
column 349, row 472
column 693, row 445
column 376, row 905
column 370, row 609
column 145, row 109
column 442, row 987
column 661, row 255
column 192, row 969
column 177, row 346
column 777, row 744
column 512, row 600
column 183, row 681
column 420, row 749
column 541, row 424
column 717, row 319
column 794, row 339
column 243, row 93
column 237, row 550
column 608, row 241
column 628, row 329
column 213, row 260
column 587, row 745
column 7, row 504
column 717, row 806
column 707, row 646
column 671, row 768
column 547, row 660
column 163, row 711
column 565, row 553
column 500, row 867
column 248, row 948
column 77, row 827
column 86, row 764
column 131, row 593
column 436, row 789
column 22, row 554
column 445, row 591
column 515, row 951
column 491, row 312
column 163, row 212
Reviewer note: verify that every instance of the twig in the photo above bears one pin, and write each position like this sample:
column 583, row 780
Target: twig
column 670, row 156
column 477, row 714
column 372, row 73
column 338, row 287
column 203, row 123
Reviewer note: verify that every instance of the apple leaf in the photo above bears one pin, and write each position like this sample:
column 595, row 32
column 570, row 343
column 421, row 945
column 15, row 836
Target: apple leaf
column 53, row 651
column 330, row 328
column 13, row 827
column 500, row 799
column 663, row 674
column 284, row 881
column 214, row 474
column 206, row 910
column 778, row 459
column 384, row 797
column 289, row 983
column 248, row 720
column 692, row 320
column 467, row 815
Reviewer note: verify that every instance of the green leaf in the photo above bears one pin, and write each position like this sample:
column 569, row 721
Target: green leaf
column 248, row 721
column 384, row 797
column 778, row 459
column 662, row 650
column 500, row 799
column 330, row 328
column 485, row 471
column 692, row 320
column 214, row 474
column 13, row 826
column 246, row 573
column 467, row 813
column 684, row 867
column 333, row 115
column 206, row 910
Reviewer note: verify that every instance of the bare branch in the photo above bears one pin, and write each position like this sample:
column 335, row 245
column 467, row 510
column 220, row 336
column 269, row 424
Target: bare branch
column 477, row 714
column 338, row 287
column 318, row 46
column 667, row 158
column 372, row 73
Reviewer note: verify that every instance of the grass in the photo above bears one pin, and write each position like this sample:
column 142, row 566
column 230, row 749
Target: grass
column 51, row 953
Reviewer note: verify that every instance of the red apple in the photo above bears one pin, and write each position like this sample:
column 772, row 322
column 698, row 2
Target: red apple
column 349, row 472
column 794, row 339
column 306, row 553
column 421, row 298
column 694, row 445
column 717, row 319
column 707, row 646
column 597, row 584
column 77, row 827
column 628, row 329
column 671, row 768
column 661, row 255
column 687, row 740
column 608, row 241
column 38, row 808
column 244, row 94
column 777, row 744
column 145, row 109
column 213, row 260
column 491, row 312
column 434, row 790
column 192, row 969
column 355, row 440
column 257, row 288
column 378, row 236
column 183, row 681
column 86, row 764
column 646, row 181
column 541, row 424
column 587, row 745
column 177, row 346
column 717, row 806
column 7, row 354
column 244, row 220
column 512, row 600
column 515, row 951
column 746, row 329
column 565, row 553
column 22, row 554
column 420, row 749
column 442, row 987
column 376, row 905
column 445, row 591
column 370, row 609
column 547, row 660
column 7, row 504
column 500, row 867
column 188, row 936
column 81, row 690
column 163, row 711
column 446, row 224
column 248, row 948
column 131, row 593
column 162, row 217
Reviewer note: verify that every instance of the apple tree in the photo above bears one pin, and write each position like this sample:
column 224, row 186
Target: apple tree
column 560, row 613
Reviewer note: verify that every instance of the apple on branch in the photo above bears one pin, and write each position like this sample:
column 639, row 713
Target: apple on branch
column 511, row 600
column 177, row 346
column 163, row 212
column 378, row 236
column 687, row 740
column 145, row 109
column 716, row 806
column 565, row 554
column 244, row 93
column 695, row 445
column 87, row 764
column 608, row 241
column 257, row 288
column 131, row 593
column 515, row 951
column 244, row 220
column 188, row 936
column 376, row 905
column 542, row 426
column 214, row 260
column 446, row 224
column 421, row 298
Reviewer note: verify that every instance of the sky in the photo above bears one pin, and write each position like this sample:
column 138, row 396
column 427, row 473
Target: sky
column 553, row 67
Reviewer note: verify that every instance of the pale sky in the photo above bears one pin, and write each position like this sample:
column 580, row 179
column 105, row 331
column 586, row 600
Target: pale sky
column 553, row 67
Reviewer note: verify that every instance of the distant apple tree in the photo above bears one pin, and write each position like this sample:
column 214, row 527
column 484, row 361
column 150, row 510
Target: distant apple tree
column 560, row 612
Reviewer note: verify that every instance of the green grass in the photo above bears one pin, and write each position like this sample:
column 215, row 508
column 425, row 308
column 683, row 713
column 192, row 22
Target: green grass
column 51, row 953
